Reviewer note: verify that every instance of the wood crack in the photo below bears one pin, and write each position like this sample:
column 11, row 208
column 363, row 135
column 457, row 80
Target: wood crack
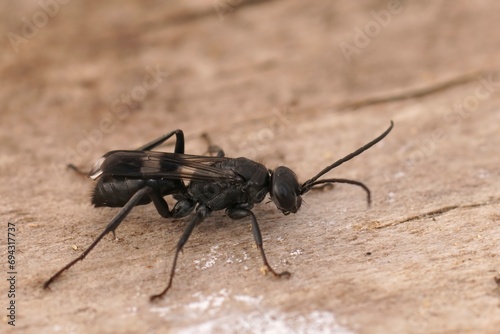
column 219, row 8
column 410, row 94
column 438, row 212
column 374, row 100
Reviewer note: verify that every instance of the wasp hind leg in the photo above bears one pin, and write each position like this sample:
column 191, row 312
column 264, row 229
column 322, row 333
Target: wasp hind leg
column 179, row 143
column 111, row 227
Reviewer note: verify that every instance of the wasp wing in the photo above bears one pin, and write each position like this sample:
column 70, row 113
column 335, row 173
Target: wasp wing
column 151, row 165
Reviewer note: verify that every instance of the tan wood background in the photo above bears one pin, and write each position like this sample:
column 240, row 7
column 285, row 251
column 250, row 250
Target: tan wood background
column 299, row 83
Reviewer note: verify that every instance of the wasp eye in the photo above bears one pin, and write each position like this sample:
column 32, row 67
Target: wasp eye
column 285, row 190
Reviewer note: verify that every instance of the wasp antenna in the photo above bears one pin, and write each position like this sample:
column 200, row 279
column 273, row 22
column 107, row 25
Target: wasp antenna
column 353, row 182
column 306, row 186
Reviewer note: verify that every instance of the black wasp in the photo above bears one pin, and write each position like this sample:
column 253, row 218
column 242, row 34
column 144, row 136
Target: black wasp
column 129, row 178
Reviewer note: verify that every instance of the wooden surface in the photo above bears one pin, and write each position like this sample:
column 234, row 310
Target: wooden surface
column 282, row 82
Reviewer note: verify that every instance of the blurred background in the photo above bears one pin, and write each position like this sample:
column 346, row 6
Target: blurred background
column 300, row 83
column 141, row 67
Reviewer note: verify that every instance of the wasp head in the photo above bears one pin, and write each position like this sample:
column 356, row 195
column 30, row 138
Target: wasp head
column 285, row 190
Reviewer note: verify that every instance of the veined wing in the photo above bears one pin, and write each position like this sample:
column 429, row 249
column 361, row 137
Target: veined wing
column 150, row 164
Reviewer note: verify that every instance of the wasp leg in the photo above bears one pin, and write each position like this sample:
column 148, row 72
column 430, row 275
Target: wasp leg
column 213, row 150
column 238, row 213
column 113, row 224
column 77, row 170
column 182, row 208
column 179, row 143
column 201, row 213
